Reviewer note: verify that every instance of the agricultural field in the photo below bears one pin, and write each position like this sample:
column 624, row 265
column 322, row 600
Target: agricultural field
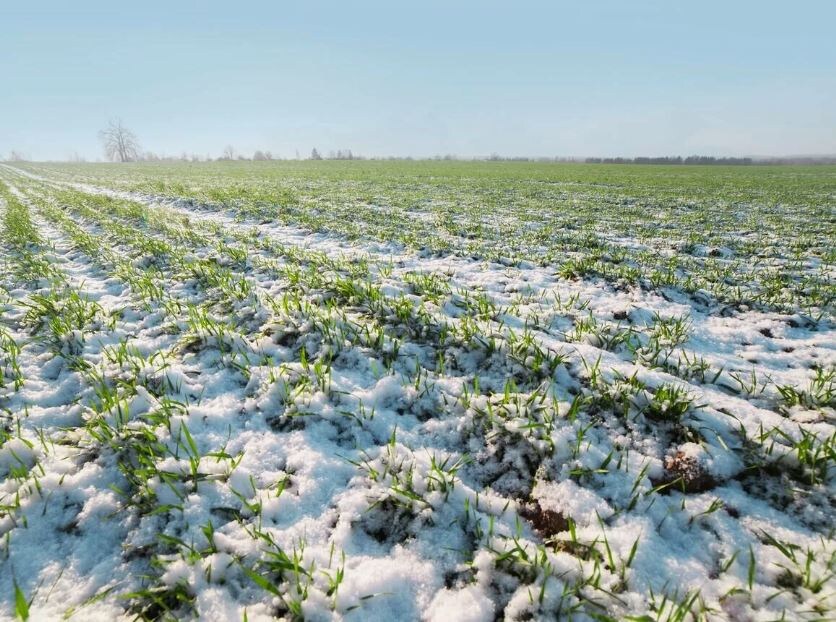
column 417, row 390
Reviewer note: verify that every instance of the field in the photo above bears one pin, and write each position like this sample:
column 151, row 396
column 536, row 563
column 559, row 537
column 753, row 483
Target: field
column 417, row 390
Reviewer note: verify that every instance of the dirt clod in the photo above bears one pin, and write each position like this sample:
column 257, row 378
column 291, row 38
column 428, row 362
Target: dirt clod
column 546, row 522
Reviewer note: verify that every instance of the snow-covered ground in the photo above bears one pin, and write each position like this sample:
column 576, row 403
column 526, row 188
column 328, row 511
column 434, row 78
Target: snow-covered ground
column 208, row 416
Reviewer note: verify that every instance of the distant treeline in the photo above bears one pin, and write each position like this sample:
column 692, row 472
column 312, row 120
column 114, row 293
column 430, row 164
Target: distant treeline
column 347, row 154
column 709, row 160
column 672, row 160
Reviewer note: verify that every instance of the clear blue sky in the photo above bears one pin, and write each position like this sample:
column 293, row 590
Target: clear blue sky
column 529, row 78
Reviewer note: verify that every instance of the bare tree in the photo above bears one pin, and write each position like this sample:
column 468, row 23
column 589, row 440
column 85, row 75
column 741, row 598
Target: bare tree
column 229, row 153
column 120, row 143
column 16, row 156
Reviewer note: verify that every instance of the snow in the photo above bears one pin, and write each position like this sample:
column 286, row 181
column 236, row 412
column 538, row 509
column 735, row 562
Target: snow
column 569, row 499
column 469, row 604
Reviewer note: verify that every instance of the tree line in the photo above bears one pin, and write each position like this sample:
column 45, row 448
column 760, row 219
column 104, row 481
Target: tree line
column 695, row 159
column 121, row 144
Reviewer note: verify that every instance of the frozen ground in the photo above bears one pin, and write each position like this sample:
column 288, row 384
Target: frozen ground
column 216, row 416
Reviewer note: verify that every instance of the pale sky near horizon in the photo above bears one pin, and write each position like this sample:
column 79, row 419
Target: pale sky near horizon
column 421, row 78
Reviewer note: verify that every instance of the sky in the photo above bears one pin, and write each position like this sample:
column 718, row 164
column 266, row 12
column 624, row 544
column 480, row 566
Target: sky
column 592, row 78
